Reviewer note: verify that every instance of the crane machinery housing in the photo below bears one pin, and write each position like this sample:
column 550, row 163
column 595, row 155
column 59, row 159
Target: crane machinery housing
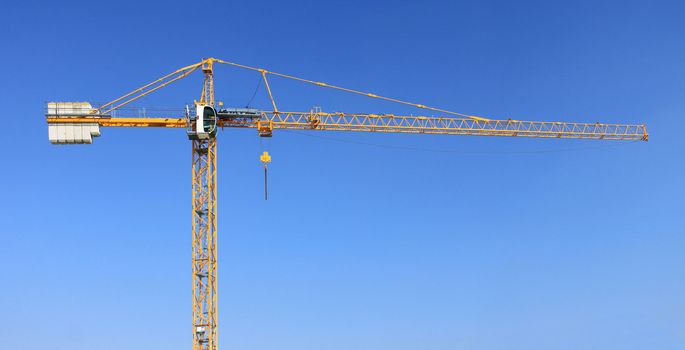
column 80, row 122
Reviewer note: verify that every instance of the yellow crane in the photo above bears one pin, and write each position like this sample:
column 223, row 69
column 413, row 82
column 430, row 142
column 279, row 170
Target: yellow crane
column 79, row 122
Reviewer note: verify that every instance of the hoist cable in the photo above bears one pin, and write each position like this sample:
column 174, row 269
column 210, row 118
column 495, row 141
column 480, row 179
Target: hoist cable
column 259, row 84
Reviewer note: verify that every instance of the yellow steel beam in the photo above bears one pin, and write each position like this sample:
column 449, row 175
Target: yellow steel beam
column 454, row 126
column 204, row 224
column 122, row 122
column 397, row 124
column 204, row 254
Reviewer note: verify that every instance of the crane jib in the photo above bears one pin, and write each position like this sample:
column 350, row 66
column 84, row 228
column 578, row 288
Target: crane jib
column 376, row 123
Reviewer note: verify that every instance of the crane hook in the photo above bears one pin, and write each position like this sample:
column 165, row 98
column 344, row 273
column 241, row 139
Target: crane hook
column 266, row 159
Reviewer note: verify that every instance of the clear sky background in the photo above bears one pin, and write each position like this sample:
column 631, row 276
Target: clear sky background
column 402, row 242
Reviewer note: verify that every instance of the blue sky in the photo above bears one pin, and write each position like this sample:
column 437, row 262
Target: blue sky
column 367, row 241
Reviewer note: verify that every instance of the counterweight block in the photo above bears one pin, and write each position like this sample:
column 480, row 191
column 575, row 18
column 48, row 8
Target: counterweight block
column 71, row 133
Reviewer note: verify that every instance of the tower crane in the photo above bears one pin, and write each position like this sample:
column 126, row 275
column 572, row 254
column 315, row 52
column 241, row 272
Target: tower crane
column 80, row 122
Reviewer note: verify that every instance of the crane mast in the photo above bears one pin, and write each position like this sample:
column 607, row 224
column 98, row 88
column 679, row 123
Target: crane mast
column 204, row 255
column 79, row 122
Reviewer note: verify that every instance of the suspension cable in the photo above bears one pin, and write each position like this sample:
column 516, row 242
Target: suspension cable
column 163, row 81
column 185, row 71
column 367, row 94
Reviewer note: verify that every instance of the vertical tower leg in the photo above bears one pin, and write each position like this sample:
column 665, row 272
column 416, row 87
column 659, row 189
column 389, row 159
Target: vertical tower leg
column 204, row 245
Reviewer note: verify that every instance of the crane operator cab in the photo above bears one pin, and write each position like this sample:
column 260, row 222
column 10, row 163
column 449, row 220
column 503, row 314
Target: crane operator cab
column 202, row 124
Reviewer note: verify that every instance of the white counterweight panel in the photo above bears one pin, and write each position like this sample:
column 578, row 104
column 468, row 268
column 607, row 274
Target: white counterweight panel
column 66, row 133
